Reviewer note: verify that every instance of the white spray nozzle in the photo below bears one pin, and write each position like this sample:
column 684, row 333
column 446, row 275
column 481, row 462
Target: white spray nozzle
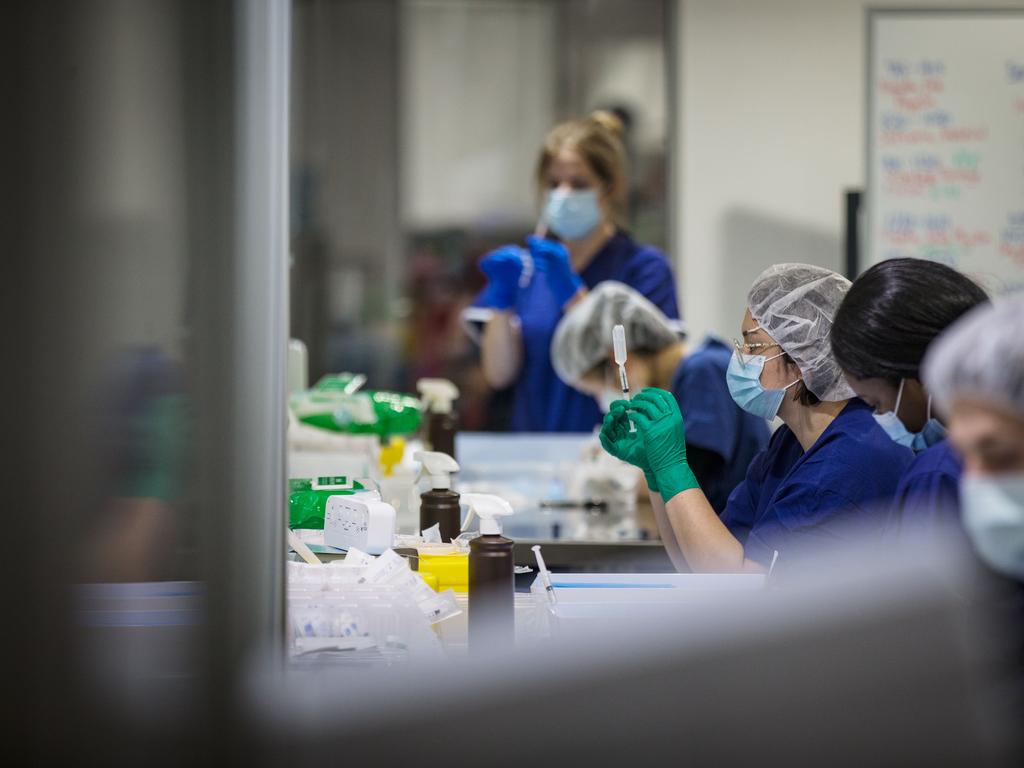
column 438, row 466
column 489, row 508
column 437, row 394
column 619, row 344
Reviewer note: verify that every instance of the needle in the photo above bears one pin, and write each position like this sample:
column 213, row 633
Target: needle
column 544, row 574
column 619, row 345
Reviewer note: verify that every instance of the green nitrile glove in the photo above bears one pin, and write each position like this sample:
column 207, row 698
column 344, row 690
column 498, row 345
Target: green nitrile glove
column 660, row 424
column 623, row 444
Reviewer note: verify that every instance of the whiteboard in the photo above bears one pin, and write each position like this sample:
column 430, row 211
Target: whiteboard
column 946, row 141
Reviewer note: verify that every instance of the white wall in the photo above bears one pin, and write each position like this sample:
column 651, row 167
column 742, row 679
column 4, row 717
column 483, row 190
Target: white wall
column 477, row 96
column 771, row 131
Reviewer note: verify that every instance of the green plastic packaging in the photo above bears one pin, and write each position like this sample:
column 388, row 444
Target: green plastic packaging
column 307, row 504
column 333, row 405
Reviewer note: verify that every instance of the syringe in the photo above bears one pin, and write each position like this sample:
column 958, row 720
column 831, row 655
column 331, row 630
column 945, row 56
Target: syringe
column 619, row 345
column 545, row 576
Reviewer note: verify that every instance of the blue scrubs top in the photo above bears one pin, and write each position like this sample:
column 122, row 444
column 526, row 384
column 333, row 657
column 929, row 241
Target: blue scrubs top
column 541, row 402
column 713, row 420
column 927, row 499
column 795, row 501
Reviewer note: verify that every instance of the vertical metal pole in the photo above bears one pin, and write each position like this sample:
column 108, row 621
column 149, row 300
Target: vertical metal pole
column 672, row 41
column 256, row 550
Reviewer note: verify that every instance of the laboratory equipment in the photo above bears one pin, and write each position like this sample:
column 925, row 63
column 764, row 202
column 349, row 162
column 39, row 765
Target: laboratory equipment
column 448, row 564
column 441, row 422
column 440, row 504
column 367, row 604
column 366, row 523
column 619, row 347
column 491, row 576
column 307, row 498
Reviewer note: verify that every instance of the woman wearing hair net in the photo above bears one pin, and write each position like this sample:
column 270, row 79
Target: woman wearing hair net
column 975, row 372
column 827, row 474
column 721, row 438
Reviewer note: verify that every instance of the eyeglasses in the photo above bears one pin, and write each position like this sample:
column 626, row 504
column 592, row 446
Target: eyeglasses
column 745, row 349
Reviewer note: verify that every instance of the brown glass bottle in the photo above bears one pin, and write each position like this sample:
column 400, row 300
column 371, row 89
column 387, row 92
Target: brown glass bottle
column 491, row 594
column 440, row 506
column 441, row 429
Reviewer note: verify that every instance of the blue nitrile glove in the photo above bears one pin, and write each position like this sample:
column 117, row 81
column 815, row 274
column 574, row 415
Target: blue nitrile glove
column 625, row 445
column 552, row 258
column 656, row 415
column 504, row 268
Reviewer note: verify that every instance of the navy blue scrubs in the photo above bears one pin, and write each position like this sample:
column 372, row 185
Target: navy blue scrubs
column 798, row 502
column 927, row 499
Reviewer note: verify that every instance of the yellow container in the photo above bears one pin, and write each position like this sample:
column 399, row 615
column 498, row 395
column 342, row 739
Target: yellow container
column 450, row 569
column 431, row 580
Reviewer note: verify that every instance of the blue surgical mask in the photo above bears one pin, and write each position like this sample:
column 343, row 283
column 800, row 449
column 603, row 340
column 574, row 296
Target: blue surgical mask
column 993, row 514
column 930, row 434
column 744, row 380
column 572, row 215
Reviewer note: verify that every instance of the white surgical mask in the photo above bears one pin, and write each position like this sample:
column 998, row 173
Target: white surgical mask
column 930, row 434
column 993, row 514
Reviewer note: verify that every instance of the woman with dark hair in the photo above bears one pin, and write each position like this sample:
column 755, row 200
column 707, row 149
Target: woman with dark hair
column 888, row 319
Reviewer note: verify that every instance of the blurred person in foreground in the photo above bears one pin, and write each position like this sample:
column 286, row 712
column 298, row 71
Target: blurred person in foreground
column 975, row 372
column 138, row 532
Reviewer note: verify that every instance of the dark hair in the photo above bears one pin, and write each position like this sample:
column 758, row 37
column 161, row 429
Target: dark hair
column 801, row 393
column 892, row 313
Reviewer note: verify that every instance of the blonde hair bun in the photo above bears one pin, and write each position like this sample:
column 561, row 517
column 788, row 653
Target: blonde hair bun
column 610, row 122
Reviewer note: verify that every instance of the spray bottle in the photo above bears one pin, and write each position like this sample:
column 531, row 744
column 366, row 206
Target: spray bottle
column 439, row 505
column 441, row 423
column 491, row 576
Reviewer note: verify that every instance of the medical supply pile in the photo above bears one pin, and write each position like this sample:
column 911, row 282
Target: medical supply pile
column 364, row 608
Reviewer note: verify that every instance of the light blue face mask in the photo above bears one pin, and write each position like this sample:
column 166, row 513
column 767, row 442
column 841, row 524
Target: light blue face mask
column 993, row 513
column 572, row 215
column 930, row 434
column 744, row 380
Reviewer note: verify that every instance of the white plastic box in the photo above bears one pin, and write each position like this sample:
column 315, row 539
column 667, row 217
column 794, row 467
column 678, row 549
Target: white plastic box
column 586, row 601
column 359, row 521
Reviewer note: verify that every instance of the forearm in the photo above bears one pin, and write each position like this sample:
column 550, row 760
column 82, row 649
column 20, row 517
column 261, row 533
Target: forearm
column 668, row 536
column 705, row 542
column 501, row 351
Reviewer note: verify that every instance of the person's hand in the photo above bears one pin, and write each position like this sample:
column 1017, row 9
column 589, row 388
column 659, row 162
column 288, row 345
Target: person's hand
column 658, row 421
column 504, row 268
column 624, row 444
column 552, row 258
